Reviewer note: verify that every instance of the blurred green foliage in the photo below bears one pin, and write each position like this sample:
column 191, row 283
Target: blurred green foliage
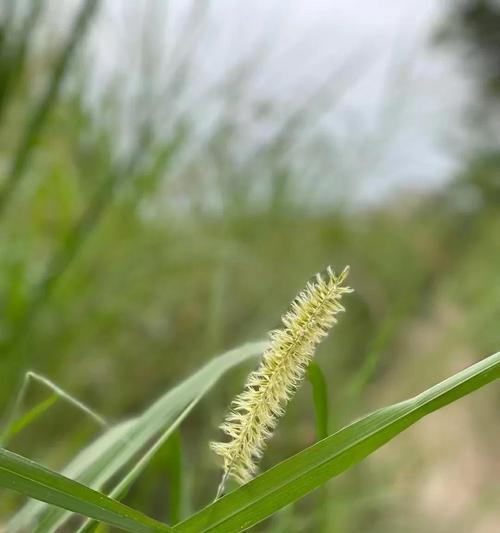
column 116, row 280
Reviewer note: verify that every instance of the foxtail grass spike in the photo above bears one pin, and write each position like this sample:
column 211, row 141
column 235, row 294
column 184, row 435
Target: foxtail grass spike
column 255, row 412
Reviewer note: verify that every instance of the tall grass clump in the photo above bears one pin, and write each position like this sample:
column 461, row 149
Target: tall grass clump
column 250, row 424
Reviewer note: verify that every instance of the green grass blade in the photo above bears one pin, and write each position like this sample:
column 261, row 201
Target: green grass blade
column 309, row 469
column 104, row 458
column 33, row 480
column 175, row 485
column 39, row 409
column 121, row 489
column 43, row 106
column 320, row 398
column 319, row 385
column 30, row 416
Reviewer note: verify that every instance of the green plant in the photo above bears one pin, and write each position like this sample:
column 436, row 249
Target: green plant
column 124, row 450
column 109, row 288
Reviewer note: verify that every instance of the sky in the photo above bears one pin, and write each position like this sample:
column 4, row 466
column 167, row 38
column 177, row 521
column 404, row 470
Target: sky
column 396, row 104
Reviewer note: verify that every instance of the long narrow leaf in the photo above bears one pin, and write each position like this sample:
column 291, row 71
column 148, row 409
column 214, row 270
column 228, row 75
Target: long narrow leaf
column 38, row 116
column 104, row 458
column 27, row 477
column 176, row 492
column 29, row 417
column 320, row 398
column 121, row 489
column 309, row 469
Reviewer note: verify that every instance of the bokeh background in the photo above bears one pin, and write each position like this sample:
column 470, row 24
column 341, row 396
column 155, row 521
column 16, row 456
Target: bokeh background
column 172, row 173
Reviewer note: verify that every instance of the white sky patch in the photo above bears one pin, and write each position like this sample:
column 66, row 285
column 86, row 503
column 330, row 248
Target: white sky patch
column 390, row 103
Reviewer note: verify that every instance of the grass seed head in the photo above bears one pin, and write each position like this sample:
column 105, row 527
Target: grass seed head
column 254, row 413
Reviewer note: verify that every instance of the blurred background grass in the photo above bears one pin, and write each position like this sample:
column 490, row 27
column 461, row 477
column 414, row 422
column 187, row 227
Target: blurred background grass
column 151, row 218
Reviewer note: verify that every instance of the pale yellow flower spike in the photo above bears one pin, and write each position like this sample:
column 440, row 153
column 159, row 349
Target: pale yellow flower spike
column 254, row 413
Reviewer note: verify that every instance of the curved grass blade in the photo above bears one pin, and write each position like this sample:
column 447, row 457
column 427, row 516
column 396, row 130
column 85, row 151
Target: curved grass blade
column 96, row 464
column 309, row 469
column 33, row 377
column 27, row 477
column 121, row 489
